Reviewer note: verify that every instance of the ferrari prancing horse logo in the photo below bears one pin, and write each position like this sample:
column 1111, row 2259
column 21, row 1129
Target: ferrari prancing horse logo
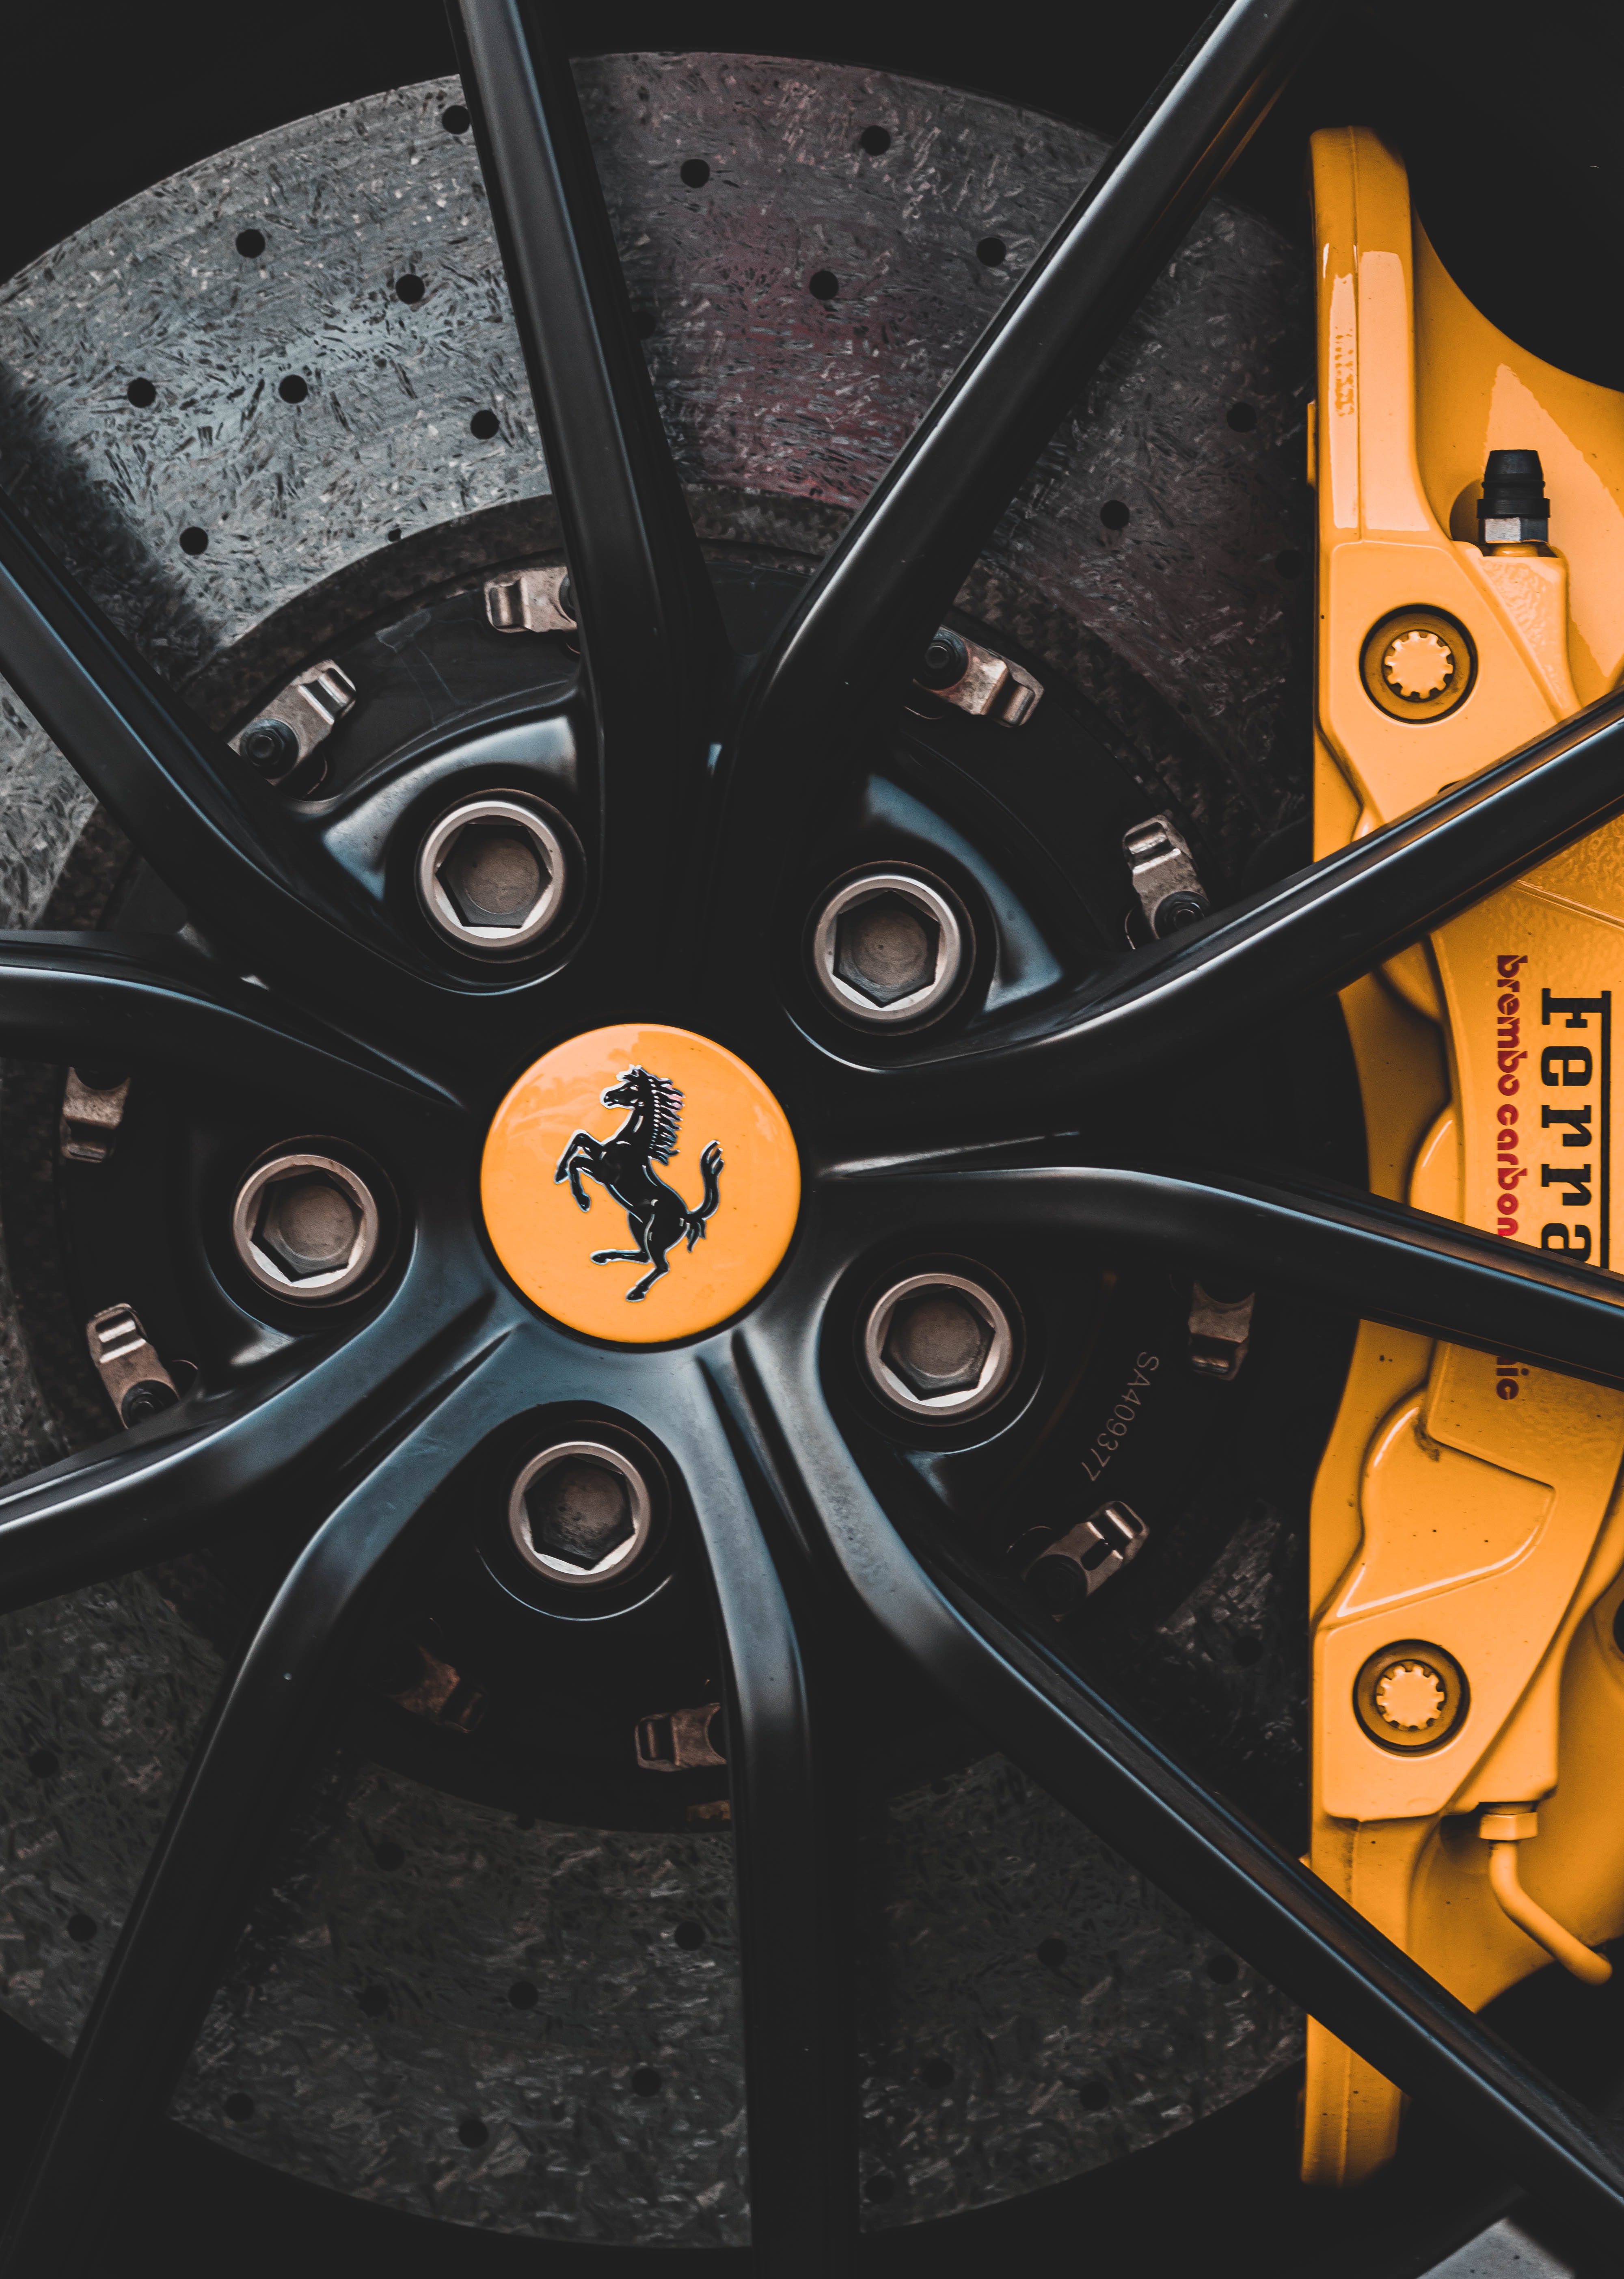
column 592, row 1108
column 623, row 1163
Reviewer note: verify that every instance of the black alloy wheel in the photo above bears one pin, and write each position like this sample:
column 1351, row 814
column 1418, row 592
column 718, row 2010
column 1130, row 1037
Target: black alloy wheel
column 703, row 797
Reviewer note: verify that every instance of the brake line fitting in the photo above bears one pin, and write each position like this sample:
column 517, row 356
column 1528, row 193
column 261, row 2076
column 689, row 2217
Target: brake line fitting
column 93, row 1104
column 133, row 1377
column 1220, row 1331
column 678, row 1740
column 284, row 744
column 1514, row 514
column 977, row 681
column 531, row 601
column 1083, row 1560
column 1164, row 877
column 1503, row 1827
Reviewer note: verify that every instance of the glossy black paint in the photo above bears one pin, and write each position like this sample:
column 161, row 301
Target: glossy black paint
column 1358, row 1251
column 1265, row 957
column 651, row 637
column 324, row 992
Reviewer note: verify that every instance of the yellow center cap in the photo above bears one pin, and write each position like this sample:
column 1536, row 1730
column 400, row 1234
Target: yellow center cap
column 639, row 1183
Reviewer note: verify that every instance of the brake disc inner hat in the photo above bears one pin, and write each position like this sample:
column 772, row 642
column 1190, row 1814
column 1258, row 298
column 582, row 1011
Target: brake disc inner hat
column 425, row 1928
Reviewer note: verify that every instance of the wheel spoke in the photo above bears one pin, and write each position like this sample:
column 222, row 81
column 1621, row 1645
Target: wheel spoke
column 225, row 842
column 220, row 1462
column 190, row 1905
column 1187, row 997
column 651, row 638
column 67, row 997
column 1206, row 1856
column 845, row 656
column 1377, row 1259
column 800, row 2063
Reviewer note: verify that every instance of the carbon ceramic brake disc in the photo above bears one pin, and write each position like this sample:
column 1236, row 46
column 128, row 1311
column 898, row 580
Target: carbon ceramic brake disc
column 279, row 397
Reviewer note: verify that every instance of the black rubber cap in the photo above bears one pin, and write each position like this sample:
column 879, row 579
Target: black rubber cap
column 1515, row 485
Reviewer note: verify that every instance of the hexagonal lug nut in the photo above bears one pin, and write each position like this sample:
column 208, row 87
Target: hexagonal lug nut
column 492, row 874
column 938, row 1347
column 1085, row 1558
column 890, row 946
column 580, row 1513
column 309, row 1224
column 937, row 1342
column 308, row 1227
column 1220, row 1333
column 886, row 947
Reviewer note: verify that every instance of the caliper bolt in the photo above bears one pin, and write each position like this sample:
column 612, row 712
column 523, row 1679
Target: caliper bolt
column 1417, row 664
column 887, row 946
column 307, row 1227
column 580, row 1513
column 938, row 1345
column 492, row 873
column 1411, row 1695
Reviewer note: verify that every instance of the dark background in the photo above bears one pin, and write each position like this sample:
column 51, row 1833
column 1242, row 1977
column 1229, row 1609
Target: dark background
column 1508, row 114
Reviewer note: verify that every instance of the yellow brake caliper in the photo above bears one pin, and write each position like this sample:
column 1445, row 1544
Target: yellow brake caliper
column 1467, row 1538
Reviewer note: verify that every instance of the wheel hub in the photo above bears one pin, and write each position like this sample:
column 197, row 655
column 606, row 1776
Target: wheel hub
column 603, row 1116
column 595, row 1685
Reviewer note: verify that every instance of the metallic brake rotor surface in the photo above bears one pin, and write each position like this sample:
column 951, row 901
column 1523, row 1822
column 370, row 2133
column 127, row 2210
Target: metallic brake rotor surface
column 438, row 2008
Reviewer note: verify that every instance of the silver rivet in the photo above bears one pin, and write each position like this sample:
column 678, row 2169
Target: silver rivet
column 580, row 1513
column 307, row 1227
column 938, row 1345
column 890, row 947
column 492, row 874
